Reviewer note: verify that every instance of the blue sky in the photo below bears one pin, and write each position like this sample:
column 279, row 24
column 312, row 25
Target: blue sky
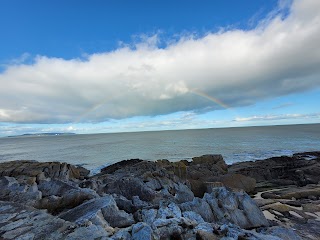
column 114, row 66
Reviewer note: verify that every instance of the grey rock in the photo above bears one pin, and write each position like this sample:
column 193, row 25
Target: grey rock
column 236, row 207
column 116, row 217
column 12, row 190
column 199, row 206
column 142, row 231
column 84, row 212
column 282, row 233
column 54, row 187
column 42, row 170
column 69, row 200
column 193, row 216
column 89, row 232
column 129, row 187
column 183, row 193
column 170, row 210
column 122, row 234
column 124, row 204
column 149, row 215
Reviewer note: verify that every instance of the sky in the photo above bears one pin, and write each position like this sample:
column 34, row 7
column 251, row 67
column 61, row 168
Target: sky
column 120, row 66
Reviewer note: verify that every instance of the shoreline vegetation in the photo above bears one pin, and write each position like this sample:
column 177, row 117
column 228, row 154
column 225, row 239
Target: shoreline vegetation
column 276, row 198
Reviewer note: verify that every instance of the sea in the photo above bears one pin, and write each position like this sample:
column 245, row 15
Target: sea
column 94, row 151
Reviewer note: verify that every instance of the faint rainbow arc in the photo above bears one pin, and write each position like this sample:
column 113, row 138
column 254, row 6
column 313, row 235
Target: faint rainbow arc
column 212, row 99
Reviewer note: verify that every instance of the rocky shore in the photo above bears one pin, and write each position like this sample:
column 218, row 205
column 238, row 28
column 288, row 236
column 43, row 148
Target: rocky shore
column 276, row 198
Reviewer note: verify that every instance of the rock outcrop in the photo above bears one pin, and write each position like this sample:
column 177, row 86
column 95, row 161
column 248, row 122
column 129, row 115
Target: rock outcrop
column 136, row 199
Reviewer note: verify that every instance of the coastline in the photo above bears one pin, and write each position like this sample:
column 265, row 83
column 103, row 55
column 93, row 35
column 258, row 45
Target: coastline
column 136, row 199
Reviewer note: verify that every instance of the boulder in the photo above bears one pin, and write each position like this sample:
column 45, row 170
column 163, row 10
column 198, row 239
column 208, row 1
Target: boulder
column 235, row 206
column 199, row 206
column 238, row 181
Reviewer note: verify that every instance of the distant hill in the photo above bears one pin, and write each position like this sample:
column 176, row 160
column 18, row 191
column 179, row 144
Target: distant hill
column 42, row 134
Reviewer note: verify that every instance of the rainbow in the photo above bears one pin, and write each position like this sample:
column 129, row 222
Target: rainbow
column 212, row 99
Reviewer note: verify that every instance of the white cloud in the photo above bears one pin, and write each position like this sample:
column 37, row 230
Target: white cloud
column 272, row 117
column 233, row 67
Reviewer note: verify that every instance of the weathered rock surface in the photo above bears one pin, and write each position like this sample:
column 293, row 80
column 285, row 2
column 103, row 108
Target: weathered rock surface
column 20, row 222
column 239, row 181
column 137, row 199
column 40, row 170
column 300, row 169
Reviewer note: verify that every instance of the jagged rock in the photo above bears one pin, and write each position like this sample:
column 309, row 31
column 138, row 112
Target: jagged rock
column 193, row 216
column 129, row 187
column 54, row 170
column 147, row 180
column 12, row 190
column 116, row 217
column 122, row 234
column 88, row 210
column 204, row 231
column 119, row 165
column 235, row 206
column 170, row 210
column 298, row 170
column 199, row 206
column 183, row 193
column 149, row 215
column 18, row 221
column 124, row 204
column 55, row 187
column 88, row 232
column 71, row 199
column 92, row 184
column 282, row 233
column 142, row 231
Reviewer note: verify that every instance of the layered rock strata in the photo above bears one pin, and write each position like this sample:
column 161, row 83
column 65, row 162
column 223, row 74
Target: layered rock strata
column 136, row 199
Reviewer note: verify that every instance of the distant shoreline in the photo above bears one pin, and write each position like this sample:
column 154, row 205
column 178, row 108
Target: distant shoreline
column 42, row 134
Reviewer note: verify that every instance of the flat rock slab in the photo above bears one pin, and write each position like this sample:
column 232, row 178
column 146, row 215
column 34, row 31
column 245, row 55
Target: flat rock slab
column 87, row 210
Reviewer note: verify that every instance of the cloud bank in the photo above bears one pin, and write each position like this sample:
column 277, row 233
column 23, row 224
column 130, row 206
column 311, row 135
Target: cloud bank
column 231, row 68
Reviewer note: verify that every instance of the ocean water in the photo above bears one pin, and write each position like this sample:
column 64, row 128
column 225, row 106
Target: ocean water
column 94, row 151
